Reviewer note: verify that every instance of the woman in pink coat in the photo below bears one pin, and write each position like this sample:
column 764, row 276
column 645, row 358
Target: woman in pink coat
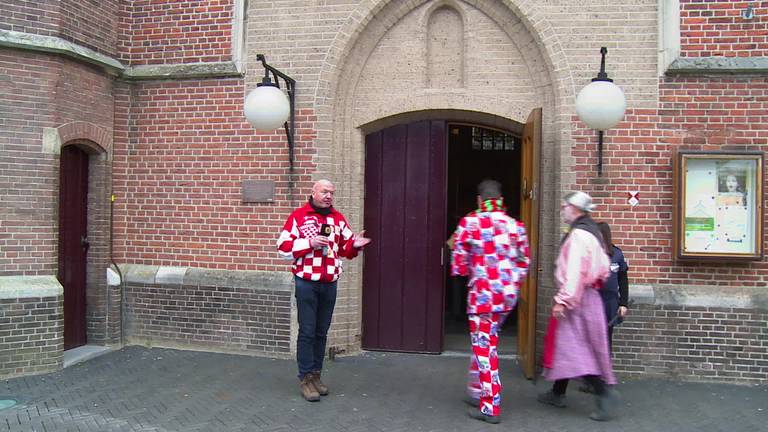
column 579, row 342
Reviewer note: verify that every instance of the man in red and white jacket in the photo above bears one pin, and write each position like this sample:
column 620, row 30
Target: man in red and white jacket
column 316, row 236
column 492, row 249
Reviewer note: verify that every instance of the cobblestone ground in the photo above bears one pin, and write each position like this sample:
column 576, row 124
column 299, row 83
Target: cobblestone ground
column 141, row 389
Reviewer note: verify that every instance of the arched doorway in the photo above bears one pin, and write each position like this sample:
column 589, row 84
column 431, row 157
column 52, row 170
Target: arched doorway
column 420, row 178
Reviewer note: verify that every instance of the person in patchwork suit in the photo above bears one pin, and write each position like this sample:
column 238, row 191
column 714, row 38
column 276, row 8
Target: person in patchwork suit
column 316, row 237
column 492, row 249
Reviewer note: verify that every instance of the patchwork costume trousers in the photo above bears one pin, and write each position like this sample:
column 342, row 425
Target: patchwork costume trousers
column 484, row 382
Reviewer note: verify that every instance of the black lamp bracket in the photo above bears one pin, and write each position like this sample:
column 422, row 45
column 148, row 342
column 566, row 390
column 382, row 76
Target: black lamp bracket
column 601, row 76
column 290, row 84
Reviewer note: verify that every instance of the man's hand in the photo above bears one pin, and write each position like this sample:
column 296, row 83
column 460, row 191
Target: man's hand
column 361, row 240
column 623, row 311
column 318, row 241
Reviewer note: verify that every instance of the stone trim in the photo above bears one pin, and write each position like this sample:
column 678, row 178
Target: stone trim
column 13, row 287
column 171, row 275
column 700, row 296
column 719, row 66
column 54, row 138
column 53, row 44
column 182, row 71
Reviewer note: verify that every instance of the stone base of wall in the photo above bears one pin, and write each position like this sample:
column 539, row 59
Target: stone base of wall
column 31, row 325
column 695, row 333
column 210, row 310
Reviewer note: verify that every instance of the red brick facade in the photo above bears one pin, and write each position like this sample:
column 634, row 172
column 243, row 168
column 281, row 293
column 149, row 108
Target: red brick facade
column 90, row 23
column 175, row 152
column 695, row 113
column 181, row 196
column 153, row 32
column 715, row 29
column 30, row 338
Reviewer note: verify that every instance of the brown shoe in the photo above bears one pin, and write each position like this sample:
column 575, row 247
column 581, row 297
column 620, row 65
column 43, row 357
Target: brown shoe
column 321, row 388
column 308, row 390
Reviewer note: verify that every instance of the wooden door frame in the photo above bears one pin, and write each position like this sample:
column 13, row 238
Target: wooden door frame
column 529, row 213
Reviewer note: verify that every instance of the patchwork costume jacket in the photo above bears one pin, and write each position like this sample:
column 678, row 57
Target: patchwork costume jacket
column 322, row 264
column 491, row 248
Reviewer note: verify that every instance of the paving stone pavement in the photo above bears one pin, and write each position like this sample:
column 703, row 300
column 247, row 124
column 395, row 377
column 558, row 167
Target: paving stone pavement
column 143, row 389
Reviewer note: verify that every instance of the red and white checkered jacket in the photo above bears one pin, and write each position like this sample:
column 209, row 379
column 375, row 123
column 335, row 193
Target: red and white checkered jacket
column 492, row 249
column 322, row 264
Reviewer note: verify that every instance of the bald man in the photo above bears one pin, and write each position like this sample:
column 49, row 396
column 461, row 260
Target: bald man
column 315, row 237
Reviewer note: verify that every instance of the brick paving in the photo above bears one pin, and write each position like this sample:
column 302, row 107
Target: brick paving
column 142, row 389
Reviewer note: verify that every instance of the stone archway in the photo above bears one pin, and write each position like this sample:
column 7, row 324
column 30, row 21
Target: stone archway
column 376, row 68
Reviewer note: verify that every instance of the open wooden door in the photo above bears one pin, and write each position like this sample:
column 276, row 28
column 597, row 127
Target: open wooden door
column 529, row 214
column 403, row 275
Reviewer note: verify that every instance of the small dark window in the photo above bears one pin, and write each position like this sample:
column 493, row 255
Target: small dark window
column 491, row 140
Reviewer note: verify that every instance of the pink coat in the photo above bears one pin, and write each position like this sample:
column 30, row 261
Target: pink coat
column 581, row 338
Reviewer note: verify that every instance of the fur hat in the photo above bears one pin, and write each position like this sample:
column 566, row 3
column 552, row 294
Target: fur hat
column 580, row 200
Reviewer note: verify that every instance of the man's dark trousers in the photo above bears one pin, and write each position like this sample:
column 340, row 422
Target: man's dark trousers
column 315, row 302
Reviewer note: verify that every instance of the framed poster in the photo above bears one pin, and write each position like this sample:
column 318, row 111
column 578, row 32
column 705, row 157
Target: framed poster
column 719, row 205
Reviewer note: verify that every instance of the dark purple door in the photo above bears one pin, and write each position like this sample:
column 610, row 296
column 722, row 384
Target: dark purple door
column 73, row 242
column 404, row 276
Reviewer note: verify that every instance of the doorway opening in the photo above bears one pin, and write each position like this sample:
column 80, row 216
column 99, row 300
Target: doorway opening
column 476, row 153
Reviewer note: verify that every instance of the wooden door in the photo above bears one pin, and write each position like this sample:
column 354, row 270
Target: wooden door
column 73, row 242
column 529, row 214
column 403, row 276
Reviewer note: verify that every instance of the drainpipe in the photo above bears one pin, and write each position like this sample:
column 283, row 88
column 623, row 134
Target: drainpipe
column 119, row 273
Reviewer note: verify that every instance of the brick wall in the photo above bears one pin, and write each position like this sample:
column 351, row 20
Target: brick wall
column 208, row 309
column 31, row 16
column 27, row 177
column 673, row 332
column 695, row 113
column 716, row 28
column 182, row 147
column 187, row 155
column 31, row 325
column 156, row 32
column 90, row 23
column 43, row 92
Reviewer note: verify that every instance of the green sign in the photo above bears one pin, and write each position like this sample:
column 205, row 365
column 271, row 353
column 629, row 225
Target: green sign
column 699, row 224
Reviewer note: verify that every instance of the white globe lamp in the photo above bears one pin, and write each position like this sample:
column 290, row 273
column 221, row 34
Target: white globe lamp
column 601, row 106
column 266, row 107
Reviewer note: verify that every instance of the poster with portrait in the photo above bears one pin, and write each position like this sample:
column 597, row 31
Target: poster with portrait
column 719, row 212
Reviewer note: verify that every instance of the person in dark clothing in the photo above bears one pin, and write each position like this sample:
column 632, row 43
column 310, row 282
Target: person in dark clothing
column 615, row 291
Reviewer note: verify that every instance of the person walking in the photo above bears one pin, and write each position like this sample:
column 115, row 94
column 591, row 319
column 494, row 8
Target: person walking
column 315, row 237
column 492, row 249
column 576, row 344
column 615, row 291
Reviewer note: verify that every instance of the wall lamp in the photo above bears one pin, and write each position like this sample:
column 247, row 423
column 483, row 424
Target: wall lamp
column 601, row 105
column 267, row 107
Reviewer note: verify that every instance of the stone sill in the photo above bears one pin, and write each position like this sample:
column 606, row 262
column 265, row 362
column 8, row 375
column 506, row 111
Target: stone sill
column 704, row 66
column 168, row 275
column 15, row 287
column 700, row 296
